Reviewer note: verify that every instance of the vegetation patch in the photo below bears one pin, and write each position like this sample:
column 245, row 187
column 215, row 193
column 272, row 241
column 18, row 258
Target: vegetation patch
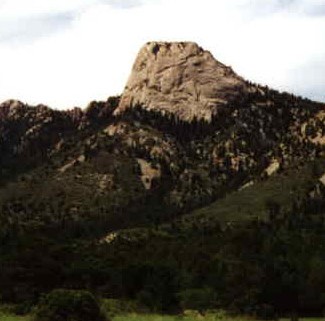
column 68, row 305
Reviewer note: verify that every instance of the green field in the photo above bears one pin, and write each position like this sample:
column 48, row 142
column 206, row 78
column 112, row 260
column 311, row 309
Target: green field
column 192, row 317
column 14, row 318
column 157, row 317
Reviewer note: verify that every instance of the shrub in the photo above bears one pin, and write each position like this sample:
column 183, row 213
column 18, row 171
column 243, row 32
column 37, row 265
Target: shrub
column 113, row 307
column 22, row 308
column 197, row 299
column 68, row 305
column 266, row 312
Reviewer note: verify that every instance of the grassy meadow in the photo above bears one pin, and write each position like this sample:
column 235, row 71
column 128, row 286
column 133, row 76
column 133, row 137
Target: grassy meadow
column 158, row 317
column 193, row 317
column 7, row 317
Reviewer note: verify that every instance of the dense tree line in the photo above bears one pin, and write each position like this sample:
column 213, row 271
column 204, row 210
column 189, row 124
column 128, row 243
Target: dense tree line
column 258, row 267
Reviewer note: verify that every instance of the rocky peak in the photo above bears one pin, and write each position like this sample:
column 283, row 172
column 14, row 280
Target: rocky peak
column 181, row 78
column 10, row 107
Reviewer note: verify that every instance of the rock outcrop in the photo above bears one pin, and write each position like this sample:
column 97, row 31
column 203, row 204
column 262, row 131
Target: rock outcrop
column 181, row 78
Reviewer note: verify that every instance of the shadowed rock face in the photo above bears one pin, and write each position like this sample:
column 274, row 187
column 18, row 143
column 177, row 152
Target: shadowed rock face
column 181, row 78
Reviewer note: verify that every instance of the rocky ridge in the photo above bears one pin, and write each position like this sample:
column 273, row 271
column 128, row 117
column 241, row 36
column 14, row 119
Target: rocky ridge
column 152, row 147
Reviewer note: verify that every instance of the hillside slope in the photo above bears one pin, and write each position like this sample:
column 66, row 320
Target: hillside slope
column 149, row 198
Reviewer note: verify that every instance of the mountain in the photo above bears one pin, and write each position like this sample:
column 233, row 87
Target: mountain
column 191, row 177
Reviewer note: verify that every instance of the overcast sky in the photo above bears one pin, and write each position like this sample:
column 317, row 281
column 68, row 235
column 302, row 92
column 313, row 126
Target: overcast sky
column 65, row 53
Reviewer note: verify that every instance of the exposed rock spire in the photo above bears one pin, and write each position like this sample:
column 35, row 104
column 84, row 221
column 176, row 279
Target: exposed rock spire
column 181, row 78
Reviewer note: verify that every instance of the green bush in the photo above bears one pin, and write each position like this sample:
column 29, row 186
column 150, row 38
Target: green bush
column 22, row 308
column 19, row 309
column 266, row 312
column 68, row 305
column 113, row 307
column 197, row 299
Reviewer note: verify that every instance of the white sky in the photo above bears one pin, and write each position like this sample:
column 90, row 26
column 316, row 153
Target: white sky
column 65, row 53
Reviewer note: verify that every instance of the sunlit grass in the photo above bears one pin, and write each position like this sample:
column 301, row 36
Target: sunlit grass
column 6, row 317
column 193, row 317
column 158, row 317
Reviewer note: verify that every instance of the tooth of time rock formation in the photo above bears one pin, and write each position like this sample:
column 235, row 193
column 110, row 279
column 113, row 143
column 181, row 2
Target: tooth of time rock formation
column 181, row 78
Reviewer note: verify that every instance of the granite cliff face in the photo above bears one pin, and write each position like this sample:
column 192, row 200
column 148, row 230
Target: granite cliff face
column 181, row 78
